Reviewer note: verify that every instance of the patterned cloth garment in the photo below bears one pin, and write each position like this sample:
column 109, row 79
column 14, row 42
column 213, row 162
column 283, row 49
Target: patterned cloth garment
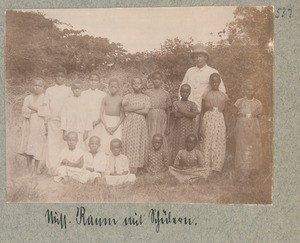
column 156, row 161
column 214, row 130
column 184, row 125
column 134, row 132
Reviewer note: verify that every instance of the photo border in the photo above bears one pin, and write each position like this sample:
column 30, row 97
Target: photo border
column 215, row 223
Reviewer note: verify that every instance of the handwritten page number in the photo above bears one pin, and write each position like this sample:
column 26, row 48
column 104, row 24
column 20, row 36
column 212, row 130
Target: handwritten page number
column 284, row 13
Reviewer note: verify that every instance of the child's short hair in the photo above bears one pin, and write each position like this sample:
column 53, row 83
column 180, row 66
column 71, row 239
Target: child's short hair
column 60, row 70
column 214, row 75
column 113, row 80
column 247, row 82
column 72, row 133
column 186, row 85
column 158, row 135
column 34, row 79
column 75, row 85
column 151, row 75
column 95, row 137
column 192, row 136
column 116, row 140
column 94, row 74
column 134, row 78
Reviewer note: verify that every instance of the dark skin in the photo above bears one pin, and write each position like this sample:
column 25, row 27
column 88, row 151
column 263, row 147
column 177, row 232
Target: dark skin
column 115, row 100
column 157, row 82
column 76, row 89
column 115, row 148
column 37, row 89
column 191, row 143
column 94, row 144
column 214, row 82
column 136, row 84
column 72, row 140
column 157, row 142
column 185, row 91
column 60, row 78
column 94, row 82
column 249, row 93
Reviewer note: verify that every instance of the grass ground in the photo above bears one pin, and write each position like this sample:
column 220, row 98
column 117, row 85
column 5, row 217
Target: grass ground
column 160, row 189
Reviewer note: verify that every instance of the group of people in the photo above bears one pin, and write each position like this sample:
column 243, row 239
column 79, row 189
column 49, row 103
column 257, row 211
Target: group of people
column 90, row 134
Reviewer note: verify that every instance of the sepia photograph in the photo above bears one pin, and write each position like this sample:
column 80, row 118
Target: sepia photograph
column 139, row 105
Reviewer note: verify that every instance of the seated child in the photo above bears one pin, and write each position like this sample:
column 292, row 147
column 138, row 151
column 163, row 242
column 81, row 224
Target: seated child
column 117, row 171
column 156, row 158
column 71, row 161
column 94, row 161
column 188, row 164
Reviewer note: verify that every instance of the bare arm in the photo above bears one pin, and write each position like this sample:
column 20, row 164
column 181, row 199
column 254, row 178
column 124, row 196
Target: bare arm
column 188, row 114
column 142, row 111
column 175, row 112
column 33, row 108
column 131, row 108
column 178, row 114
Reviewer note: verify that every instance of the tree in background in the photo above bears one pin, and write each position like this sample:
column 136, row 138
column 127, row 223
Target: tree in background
column 247, row 53
column 36, row 45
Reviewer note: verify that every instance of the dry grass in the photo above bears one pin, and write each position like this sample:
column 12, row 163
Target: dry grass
column 160, row 189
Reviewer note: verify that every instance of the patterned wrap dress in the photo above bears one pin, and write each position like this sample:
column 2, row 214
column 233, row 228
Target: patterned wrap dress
column 157, row 116
column 188, row 166
column 248, row 135
column 214, row 130
column 134, row 132
column 183, row 126
column 33, row 139
column 156, row 161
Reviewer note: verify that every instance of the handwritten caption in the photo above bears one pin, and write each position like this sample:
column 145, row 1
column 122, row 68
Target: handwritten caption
column 157, row 218
column 284, row 13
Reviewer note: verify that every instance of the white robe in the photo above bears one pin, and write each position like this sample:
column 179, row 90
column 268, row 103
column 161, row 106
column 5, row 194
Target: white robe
column 118, row 164
column 79, row 174
column 97, row 162
column 93, row 100
column 55, row 98
column 74, row 118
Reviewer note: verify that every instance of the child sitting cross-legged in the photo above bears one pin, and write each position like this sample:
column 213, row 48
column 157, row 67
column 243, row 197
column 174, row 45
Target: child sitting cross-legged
column 117, row 170
column 188, row 164
column 71, row 161
column 94, row 161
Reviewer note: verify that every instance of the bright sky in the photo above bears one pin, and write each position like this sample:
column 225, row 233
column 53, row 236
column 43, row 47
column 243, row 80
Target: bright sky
column 144, row 29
